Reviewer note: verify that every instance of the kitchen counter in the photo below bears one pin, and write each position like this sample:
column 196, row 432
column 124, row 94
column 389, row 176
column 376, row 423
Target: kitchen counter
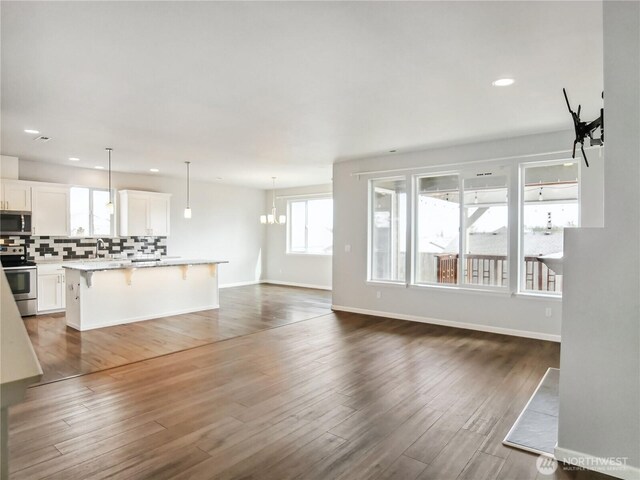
column 112, row 292
column 62, row 261
column 19, row 366
column 95, row 266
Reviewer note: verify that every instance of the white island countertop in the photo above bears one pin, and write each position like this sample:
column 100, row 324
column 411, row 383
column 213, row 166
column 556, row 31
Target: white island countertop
column 97, row 266
column 112, row 292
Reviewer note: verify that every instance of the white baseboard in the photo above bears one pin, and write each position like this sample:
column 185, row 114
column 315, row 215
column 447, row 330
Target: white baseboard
column 240, row 284
column 451, row 323
column 295, row 284
column 602, row 465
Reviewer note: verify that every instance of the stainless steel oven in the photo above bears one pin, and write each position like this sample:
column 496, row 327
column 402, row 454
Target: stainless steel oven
column 22, row 277
column 15, row 223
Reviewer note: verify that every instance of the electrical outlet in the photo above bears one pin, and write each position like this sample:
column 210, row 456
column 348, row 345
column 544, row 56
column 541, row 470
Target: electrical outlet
column 548, row 312
column 347, row 248
column 378, row 294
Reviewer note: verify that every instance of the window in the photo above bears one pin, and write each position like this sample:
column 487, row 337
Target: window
column 89, row 215
column 388, row 222
column 460, row 233
column 486, row 231
column 475, row 204
column 310, row 226
column 438, row 229
column 549, row 205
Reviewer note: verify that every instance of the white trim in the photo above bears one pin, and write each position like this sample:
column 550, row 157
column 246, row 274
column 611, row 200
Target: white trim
column 47, row 312
column 556, row 155
column 597, row 464
column 451, row 323
column 523, row 447
column 240, row 284
column 144, row 317
column 296, row 284
column 305, row 195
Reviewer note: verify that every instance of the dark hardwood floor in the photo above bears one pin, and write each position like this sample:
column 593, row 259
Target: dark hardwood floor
column 337, row 396
column 64, row 352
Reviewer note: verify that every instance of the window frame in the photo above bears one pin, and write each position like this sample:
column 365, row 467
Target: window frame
column 91, row 234
column 289, row 225
column 462, row 174
column 510, row 167
column 520, row 288
column 370, row 224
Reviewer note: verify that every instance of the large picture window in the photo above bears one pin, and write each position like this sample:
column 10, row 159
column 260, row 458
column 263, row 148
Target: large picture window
column 388, row 222
column 310, row 226
column 477, row 206
column 460, row 230
column 486, row 231
column 549, row 205
column 89, row 214
column 438, row 229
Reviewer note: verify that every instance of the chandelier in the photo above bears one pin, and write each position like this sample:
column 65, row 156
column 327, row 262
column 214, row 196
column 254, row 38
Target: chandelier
column 273, row 218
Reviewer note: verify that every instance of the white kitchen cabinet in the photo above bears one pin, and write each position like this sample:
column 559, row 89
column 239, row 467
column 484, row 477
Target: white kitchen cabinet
column 15, row 196
column 144, row 213
column 51, row 288
column 50, row 211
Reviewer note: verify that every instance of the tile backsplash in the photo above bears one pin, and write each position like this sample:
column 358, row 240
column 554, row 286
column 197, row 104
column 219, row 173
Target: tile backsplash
column 64, row 248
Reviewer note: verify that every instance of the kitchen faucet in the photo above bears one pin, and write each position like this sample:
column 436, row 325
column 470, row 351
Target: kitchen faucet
column 99, row 242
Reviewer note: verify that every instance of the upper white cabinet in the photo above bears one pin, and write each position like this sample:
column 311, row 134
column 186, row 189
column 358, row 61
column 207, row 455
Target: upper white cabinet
column 50, row 211
column 15, row 196
column 144, row 213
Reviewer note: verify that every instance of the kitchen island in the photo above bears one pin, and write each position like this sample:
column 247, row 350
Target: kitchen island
column 102, row 294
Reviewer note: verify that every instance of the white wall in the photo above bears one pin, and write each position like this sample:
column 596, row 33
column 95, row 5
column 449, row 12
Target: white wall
column 500, row 312
column 225, row 221
column 600, row 358
column 302, row 270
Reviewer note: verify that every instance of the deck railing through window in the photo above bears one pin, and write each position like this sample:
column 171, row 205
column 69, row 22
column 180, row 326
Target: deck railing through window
column 492, row 270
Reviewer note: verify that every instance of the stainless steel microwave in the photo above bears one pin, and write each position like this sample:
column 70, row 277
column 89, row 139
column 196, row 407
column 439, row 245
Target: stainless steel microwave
column 15, row 223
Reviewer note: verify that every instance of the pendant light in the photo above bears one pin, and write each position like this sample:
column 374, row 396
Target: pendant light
column 187, row 210
column 272, row 218
column 109, row 205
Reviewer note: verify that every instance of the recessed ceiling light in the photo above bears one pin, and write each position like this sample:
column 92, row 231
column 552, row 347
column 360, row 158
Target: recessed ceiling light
column 503, row 82
column 99, row 167
column 154, row 170
column 569, row 164
column 30, row 130
column 74, row 159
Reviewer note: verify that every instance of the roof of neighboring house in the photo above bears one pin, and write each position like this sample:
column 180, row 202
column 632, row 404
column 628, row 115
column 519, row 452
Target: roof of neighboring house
column 495, row 243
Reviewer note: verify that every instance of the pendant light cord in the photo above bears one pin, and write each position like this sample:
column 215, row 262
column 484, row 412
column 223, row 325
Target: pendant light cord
column 188, row 184
column 109, row 152
column 273, row 191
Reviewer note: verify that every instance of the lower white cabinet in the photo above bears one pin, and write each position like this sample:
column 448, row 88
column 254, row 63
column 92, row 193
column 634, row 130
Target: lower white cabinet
column 51, row 288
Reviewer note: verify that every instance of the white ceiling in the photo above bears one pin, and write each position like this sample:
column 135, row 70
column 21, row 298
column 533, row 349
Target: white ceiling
column 248, row 90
